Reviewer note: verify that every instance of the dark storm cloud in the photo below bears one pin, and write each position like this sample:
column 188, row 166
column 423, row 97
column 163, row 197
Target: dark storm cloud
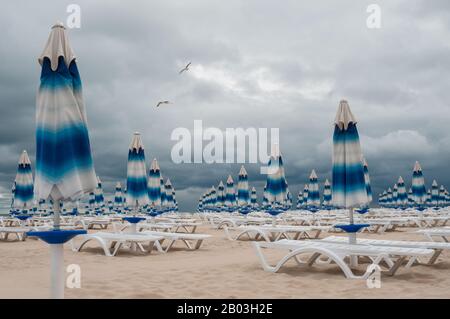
column 255, row 64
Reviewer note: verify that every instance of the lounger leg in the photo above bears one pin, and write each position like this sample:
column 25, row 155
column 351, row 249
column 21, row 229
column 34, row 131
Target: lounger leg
column 396, row 266
column 198, row 244
column 435, row 256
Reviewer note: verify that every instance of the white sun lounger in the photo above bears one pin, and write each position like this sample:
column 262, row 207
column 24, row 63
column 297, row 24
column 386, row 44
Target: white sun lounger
column 336, row 252
column 112, row 242
column 431, row 234
column 273, row 233
column 437, row 247
column 19, row 232
column 186, row 238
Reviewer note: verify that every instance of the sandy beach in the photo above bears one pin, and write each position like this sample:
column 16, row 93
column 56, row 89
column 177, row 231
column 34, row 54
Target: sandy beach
column 220, row 269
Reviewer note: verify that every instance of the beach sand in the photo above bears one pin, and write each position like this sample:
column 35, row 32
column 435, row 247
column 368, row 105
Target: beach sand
column 220, row 269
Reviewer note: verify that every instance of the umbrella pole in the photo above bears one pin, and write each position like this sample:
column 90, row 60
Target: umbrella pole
column 57, row 259
column 352, row 241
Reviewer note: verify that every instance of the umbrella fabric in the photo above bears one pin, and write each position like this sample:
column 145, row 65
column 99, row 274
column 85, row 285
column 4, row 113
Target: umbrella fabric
column 230, row 193
column 64, row 166
column 163, row 192
column 434, row 193
column 23, row 192
column 118, row 195
column 99, row 198
column 300, row 199
column 418, row 185
column 168, row 191
column 305, row 194
column 389, row 197
column 276, row 183
column 220, row 195
column 410, row 197
column 253, row 198
column 349, row 188
column 402, row 196
column 327, row 193
column 137, row 194
column 367, row 180
column 313, row 190
column 395, row 195
column 441, row 200
column 242, row 188
column 154, row 184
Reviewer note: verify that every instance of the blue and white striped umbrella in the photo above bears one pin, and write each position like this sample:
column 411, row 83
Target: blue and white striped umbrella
column 13, row 191
column 300, row 199
column 220, row 195
column 349, row 188
column 213, row 197
column 313, row 194
column 434, row 193
column 265, row 200
column 305, row 194
column 367, row 180
column 418, row 185
column 253, row 198
column 174, row 200
column 395, row 195
column 242, row 188
column 410, row 198
column 428, row 198
column 389, row 197
column 99, row 197
column 168, row 191
column 327, row 197
column 64, row 166
column 137, row 194
column 276, row 182
column 154, row 184
column 402, row 196
column 23, row 194
column 230, row 193
column 91, row 200
column 441, row 201
column 163, row 192
column 118, row 196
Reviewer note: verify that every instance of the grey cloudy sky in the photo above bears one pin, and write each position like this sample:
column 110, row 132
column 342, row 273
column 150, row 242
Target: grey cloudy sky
column 255, row 63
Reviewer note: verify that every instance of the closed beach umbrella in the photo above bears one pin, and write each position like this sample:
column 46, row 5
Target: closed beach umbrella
column 401, row 192
column 154, row 184
column 434, row 193
column 389, row 197
column 230, row 193
column 395, row 195
column 305, row 194
column 118, row 195
column 276, row 183
column 410, row 197
column 300, row 199
column 91, row 200
column 441, row 200
column 327, row 193
column 213, row 197
column 137, row 194
column 242, row 188
column 367, row 180
column 418, row 185
column 23, row 192
column 220, row 195
column 265, row 200
column 168, row 191
column 253, row 198
column 349, row 188
column 99, row 197
column 64, row 166
column 163, row 192
column 313, row 194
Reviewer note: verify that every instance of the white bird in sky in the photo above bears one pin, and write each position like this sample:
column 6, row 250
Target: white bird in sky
column 162, row 102
column 186, row 68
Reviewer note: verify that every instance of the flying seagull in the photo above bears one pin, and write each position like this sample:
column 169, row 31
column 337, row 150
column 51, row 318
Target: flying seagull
column 186, row 68
column 162, row 102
